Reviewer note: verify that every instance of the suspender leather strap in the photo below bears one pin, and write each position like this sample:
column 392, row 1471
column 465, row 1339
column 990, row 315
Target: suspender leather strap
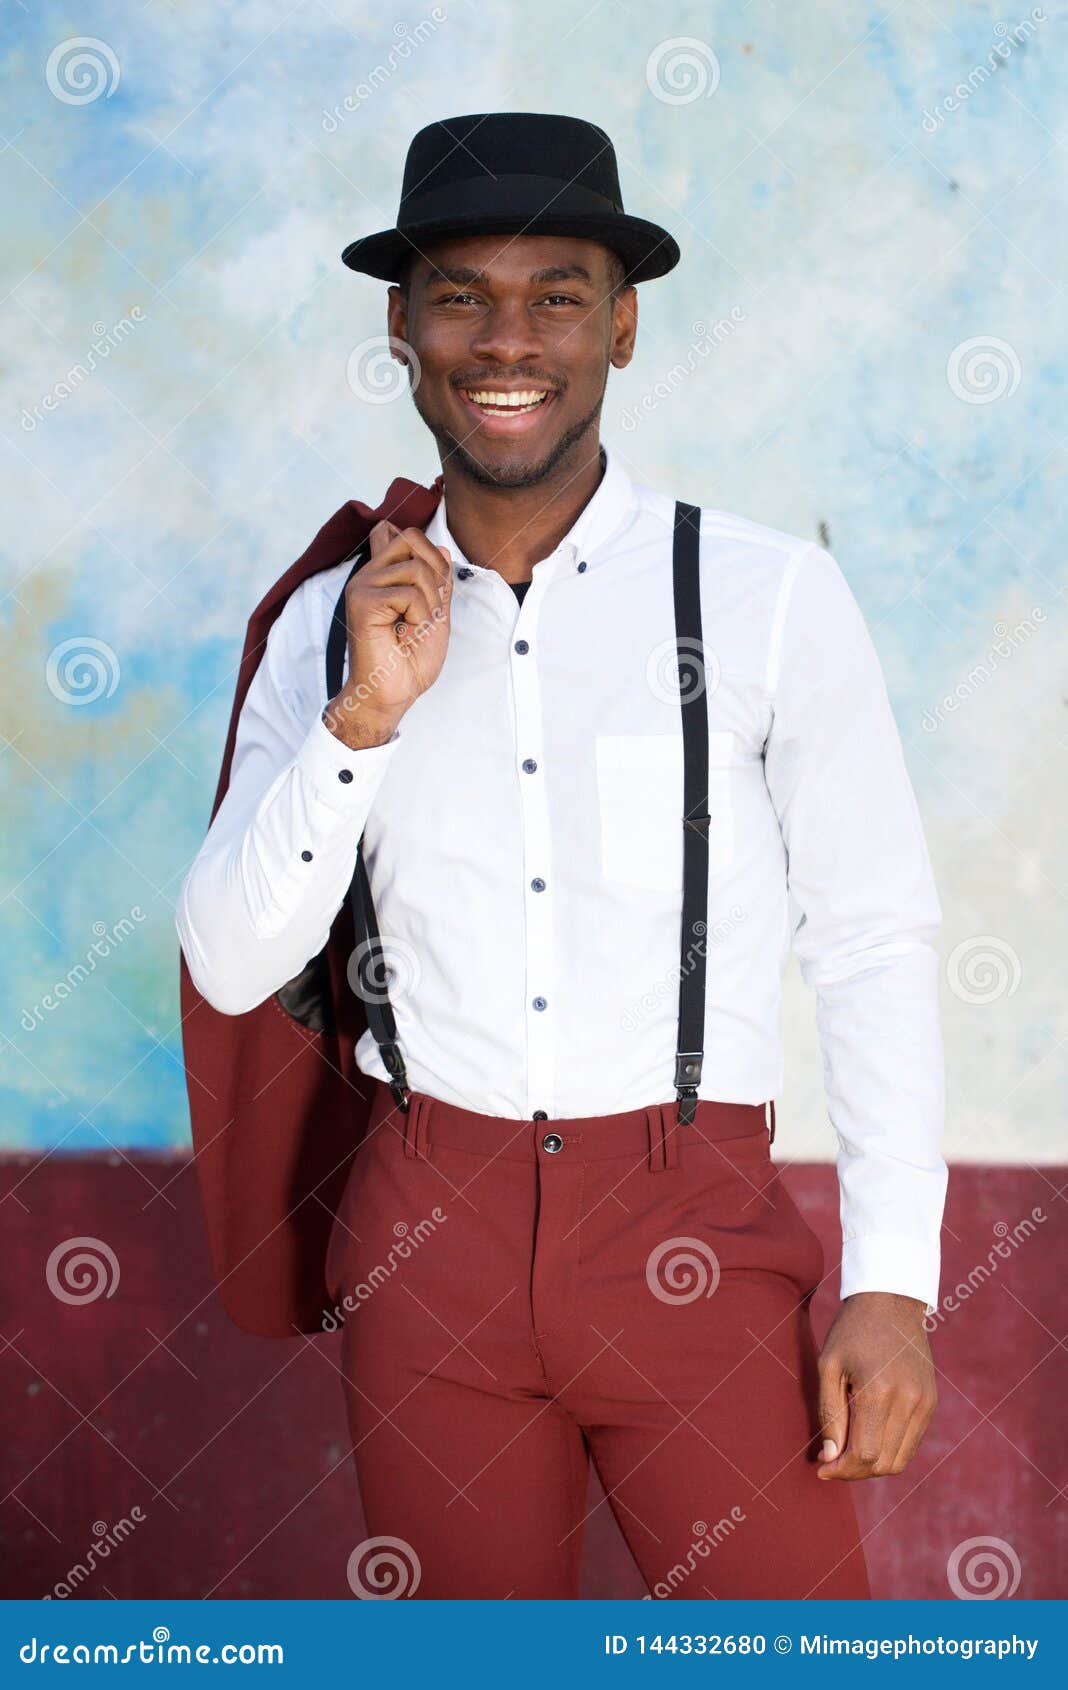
column 689, row 1053
column 686, row 577
column 371, row 963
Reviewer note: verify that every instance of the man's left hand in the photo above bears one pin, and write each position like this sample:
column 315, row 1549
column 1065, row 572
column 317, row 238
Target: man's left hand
column 877, row 1387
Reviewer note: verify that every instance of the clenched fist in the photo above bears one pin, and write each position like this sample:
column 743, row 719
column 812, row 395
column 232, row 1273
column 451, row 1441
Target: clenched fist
column 397, row 616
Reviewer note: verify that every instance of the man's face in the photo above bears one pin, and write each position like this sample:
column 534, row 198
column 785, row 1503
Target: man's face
column 515, row 336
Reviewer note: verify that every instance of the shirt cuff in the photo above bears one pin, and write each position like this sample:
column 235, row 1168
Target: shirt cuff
column 905, row 1265
column 343, row 779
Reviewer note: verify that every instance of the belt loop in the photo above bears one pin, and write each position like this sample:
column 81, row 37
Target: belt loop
column 663, row 1145
column 416, row 1143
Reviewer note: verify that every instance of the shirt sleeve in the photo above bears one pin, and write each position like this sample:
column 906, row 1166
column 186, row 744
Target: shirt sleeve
column 859, row 870
column 261, row 895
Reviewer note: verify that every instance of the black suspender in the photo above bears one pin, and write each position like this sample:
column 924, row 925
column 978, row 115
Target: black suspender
column 686, row 581
column 369, row 959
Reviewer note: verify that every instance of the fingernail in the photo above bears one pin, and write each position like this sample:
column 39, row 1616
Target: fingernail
column 829, row 1450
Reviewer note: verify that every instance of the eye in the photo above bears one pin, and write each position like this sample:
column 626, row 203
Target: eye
column 456, row 298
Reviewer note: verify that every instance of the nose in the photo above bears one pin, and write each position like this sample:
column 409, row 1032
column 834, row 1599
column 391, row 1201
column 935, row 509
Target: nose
column 507, row 335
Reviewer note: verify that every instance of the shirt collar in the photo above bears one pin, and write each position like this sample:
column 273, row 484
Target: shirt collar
column 601, row 518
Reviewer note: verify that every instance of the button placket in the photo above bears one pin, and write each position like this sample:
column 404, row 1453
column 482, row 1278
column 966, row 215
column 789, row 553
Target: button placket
column 526, row 692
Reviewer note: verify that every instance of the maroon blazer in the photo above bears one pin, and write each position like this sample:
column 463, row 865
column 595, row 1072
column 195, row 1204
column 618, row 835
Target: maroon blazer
column 276, row 1102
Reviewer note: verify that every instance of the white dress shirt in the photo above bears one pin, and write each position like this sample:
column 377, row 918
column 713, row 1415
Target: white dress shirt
column 524, row 849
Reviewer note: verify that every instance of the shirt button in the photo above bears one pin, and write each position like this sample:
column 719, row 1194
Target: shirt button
column 581, row 567
column 552, row 1142
column 305, row 856
column 345, row 775
column 540, row 1115
column 537, row 884
column 529, row 765
column 464, row 573
column 522, row 647
column 540, row 1003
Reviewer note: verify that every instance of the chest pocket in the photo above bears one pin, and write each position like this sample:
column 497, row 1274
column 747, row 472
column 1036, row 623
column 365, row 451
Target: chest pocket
column 639, row 795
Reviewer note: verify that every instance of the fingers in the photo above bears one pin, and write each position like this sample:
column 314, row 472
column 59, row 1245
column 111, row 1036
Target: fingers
column 861, row 1449
column 923, row 1407
column 390, row 543
column 382, row 535
column 834, row 1409
column 407, row 580
column 887, row 1422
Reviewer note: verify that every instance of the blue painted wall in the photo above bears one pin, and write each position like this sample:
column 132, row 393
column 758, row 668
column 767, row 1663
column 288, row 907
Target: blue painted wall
column 860, row 345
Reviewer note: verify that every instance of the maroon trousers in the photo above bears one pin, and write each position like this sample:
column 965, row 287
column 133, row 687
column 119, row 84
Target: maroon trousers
column 522, row 1296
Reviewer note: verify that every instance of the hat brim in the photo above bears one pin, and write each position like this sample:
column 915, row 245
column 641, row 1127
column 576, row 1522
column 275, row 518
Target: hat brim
column 647, row 250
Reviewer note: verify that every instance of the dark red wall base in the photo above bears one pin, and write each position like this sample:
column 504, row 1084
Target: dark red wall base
column 234, row 1449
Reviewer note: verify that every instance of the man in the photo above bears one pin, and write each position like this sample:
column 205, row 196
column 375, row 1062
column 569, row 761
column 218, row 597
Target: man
column 563, row 1236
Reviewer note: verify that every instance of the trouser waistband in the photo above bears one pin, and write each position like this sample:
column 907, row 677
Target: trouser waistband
column 653, row 1129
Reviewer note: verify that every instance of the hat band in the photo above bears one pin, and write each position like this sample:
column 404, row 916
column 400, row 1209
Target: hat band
column 510, row 196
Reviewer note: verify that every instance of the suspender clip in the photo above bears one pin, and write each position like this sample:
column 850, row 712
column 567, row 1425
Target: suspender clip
column 687, row 1099
column 687, row 1080
column 390, row 1053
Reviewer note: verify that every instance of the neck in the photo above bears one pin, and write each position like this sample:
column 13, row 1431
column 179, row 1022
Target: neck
column 510, row 529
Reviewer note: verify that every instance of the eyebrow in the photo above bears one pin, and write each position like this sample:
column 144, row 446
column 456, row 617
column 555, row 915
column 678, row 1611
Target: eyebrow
column 465, row 274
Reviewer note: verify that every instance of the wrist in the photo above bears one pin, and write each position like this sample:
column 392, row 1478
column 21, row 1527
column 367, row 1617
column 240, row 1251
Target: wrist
column 356, row 724
column 895, row 1303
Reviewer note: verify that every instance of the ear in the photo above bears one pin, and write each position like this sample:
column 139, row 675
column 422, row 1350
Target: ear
column 397, row 314
column 624, row 327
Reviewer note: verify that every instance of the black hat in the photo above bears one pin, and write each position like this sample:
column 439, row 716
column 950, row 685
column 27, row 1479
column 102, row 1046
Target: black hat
column 513, row 173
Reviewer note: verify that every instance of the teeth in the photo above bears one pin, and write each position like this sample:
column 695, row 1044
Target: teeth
column 522, row 401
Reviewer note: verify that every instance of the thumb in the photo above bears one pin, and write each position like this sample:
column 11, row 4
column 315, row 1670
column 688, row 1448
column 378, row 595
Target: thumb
column 383, row 534
column 833, row 1409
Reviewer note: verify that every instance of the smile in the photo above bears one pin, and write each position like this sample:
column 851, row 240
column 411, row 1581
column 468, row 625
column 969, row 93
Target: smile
column 504, row 411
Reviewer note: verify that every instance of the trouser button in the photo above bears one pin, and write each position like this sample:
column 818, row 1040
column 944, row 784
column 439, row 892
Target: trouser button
column 552, row 1142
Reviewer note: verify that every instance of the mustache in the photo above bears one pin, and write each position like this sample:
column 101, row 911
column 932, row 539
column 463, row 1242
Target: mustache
column 508, row 377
